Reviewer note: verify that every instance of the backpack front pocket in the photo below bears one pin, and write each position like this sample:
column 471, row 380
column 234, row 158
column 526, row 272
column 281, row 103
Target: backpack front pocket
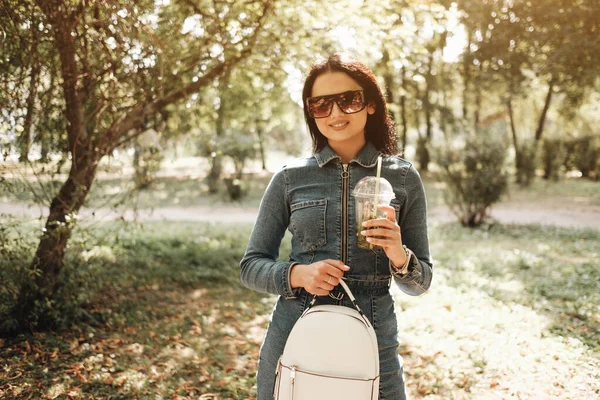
column 296, row 384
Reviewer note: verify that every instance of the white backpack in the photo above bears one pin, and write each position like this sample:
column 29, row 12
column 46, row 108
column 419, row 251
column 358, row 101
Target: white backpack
column 331, row 353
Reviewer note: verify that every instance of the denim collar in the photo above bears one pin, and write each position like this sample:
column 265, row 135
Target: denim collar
column 367, row 156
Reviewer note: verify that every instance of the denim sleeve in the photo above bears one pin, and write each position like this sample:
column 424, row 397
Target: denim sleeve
column 260, row 269
column 413, row 226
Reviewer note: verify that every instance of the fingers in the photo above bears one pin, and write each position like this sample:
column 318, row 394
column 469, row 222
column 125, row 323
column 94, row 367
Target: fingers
column 326, row 275
column 380, row 233
column 336, row 264
column 385, row 243
column 381, row 223
column 389, row 211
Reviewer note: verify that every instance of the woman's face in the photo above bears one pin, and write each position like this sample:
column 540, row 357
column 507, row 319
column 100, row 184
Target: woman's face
column 340, row 128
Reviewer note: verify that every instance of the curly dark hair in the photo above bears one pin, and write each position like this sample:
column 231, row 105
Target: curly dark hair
column 380, row 129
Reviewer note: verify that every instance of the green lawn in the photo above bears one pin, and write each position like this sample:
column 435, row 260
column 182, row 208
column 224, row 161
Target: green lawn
column 185, row 187
column 165, row 317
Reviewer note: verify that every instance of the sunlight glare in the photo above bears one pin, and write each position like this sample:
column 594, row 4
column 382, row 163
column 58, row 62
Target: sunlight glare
column 457, row 39
column 345, row 36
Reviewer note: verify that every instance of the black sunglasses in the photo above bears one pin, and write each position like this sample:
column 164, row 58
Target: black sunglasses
column 349, row 102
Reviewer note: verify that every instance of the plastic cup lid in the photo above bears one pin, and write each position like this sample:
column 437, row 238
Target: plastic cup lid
column 365, row 188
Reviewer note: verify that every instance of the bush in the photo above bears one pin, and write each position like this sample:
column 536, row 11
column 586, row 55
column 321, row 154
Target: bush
column 526, row 163
column 106, row 264
column 78, row 281
column 146, row 163
column 583, row 154
column 552, row 158
column 475, row 177
column 423, row 155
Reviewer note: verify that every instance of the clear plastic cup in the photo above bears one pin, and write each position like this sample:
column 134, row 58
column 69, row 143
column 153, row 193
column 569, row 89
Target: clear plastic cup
column 366, row 202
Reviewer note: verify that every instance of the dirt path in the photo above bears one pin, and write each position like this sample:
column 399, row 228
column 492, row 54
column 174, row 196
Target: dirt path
column 522, row 214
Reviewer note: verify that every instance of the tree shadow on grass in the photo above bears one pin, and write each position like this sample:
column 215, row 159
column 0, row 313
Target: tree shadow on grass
column 555, row 271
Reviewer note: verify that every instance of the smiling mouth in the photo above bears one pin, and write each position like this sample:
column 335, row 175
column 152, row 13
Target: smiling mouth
column 339, row 125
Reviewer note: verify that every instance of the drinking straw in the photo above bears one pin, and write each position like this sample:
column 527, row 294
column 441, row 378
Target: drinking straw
column 376, row 190
column 377, row 181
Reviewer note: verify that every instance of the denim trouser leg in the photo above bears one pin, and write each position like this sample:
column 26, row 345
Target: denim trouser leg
column 284, row 316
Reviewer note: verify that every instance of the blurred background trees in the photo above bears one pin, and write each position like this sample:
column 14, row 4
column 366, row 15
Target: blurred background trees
column 86, row 82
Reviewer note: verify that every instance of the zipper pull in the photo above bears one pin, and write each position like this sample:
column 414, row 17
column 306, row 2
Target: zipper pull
column 345, row 171
column 292, row 381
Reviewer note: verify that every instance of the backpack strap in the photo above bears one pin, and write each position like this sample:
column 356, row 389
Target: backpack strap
column 350, row 296
column 352, row 299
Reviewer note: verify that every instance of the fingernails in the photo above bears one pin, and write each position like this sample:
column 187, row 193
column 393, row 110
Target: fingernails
column 363, row 232
column 364, row 223
column 346, row 267
column 369, row 239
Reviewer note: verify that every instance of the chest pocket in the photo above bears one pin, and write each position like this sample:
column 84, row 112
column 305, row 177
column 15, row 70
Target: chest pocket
column 307, row 223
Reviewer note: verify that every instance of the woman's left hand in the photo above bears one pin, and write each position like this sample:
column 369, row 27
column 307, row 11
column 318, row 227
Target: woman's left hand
column 388, row 235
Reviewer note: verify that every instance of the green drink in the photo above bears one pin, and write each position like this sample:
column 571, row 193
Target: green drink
column 366, row 200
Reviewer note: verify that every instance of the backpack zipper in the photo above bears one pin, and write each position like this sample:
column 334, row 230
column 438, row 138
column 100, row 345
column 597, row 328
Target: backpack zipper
column 292, row 381
column 294, row 368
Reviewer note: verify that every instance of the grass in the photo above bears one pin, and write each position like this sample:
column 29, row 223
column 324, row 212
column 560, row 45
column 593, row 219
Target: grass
column 184, row 189
column 513, row 313
column 120, row 192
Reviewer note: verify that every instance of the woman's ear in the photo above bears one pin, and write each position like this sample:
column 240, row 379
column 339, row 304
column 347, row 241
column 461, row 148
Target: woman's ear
column 371, row 108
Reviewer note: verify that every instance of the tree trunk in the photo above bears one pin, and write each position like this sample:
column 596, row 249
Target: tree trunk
column 466, row 77
column 425, row 141
column 261, row 144
column 48, row 259
column 403, row 110
column 427, row 99
column 513, row 130
column 540, row 129
column 477, row 112
column 388, row 81
column 217, row 161
column 25, row 138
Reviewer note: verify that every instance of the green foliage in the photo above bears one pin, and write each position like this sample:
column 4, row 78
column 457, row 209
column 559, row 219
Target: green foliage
column 146, row 163
column 583, row 154
column 423, row 154
column 475, row 177
column 76, row 285
column 547, row 268
column 526, row 163
column 552, row 157
column 112, row 260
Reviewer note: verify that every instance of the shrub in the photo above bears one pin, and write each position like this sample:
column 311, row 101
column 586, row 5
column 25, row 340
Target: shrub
column 552, row 158
column 526, row 163
column 77, row 282
column 583, row 154
column 423, row 155
column 475, row 177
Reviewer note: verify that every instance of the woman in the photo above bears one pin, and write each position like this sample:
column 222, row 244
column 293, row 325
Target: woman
column 348, row 120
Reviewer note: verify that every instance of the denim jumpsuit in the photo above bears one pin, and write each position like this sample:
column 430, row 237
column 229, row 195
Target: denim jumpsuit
column 312, row 198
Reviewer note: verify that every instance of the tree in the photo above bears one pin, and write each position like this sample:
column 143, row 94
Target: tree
column 120, row 65
column 519, row 43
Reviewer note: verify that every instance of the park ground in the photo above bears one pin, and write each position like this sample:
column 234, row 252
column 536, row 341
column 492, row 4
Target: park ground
column 513, row 311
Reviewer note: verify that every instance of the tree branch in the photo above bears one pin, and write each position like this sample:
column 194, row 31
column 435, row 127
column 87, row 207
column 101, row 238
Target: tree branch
column 62, row 27
column 116, row 135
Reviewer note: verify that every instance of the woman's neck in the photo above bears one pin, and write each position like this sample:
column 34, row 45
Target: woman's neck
column 348, row 149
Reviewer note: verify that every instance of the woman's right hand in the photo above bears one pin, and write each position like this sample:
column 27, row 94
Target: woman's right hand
column 318, row 278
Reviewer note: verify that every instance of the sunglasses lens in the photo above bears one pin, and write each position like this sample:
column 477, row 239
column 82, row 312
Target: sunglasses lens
column 351, row 102
column 320, row 107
